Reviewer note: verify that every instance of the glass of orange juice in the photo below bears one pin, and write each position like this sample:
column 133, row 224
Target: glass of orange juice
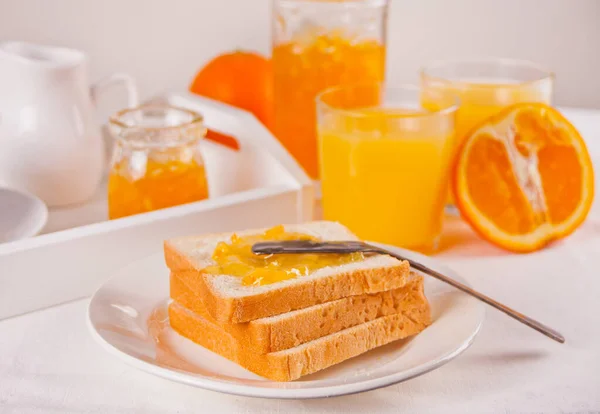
column 484, row 87
column 318, row 44
column 156, row 160
column 384, row 162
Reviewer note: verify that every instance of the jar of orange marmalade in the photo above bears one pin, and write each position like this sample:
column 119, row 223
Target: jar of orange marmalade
column 318, row 44
column 156, row 161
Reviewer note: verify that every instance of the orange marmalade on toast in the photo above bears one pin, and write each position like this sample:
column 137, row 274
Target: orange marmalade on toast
column 235, row 258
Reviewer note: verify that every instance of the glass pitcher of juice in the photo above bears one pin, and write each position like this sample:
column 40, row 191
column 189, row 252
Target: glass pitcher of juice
column 316, row 45
column 484, row 87
column 156, row 160
column 385, row 162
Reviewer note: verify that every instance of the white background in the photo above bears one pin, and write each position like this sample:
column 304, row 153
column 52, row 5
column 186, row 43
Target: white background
column 163, row 42
column 48, row 362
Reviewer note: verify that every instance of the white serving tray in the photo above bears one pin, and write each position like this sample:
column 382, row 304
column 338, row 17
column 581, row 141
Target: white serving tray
column 259, row 185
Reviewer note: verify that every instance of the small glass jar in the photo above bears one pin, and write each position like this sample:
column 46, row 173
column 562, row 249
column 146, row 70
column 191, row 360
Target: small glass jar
column 156, row 161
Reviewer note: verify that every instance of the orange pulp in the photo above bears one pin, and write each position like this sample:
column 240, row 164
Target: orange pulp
column 235, row 258
column 302, row 69
column 524, row 178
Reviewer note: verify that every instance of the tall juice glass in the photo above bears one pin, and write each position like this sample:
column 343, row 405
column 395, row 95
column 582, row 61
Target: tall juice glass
column 318, row 44
column 484, row 87
column 384, row 163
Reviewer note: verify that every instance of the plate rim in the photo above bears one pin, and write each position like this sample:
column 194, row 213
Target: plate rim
column 231, row 388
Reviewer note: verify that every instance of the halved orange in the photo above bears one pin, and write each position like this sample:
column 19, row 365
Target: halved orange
column 524, row 178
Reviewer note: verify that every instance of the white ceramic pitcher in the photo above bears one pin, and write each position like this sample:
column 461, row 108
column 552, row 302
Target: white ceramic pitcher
column 50, row 142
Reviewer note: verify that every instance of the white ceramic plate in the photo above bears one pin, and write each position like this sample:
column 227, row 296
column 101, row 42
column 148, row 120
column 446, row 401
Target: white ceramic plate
column 128, row 317
column 23, row 215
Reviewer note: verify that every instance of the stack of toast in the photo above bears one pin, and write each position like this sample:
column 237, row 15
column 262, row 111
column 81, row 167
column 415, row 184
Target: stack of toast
column 294, row 327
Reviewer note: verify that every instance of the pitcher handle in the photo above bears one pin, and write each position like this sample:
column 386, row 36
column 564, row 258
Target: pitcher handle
column 117, row 78
column 132, row 101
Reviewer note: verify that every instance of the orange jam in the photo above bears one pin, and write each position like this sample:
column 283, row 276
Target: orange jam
column 158, row 185
column 308, row 65
column 235, row 258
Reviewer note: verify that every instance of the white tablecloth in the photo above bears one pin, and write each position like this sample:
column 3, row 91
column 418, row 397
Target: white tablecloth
column 49, row 363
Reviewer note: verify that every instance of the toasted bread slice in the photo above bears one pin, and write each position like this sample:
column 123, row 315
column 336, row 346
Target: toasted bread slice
column 228, row 300
column 291, row 364
column 276, row 333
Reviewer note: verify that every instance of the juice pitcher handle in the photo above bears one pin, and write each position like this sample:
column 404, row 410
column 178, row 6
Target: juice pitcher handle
column 117, row 78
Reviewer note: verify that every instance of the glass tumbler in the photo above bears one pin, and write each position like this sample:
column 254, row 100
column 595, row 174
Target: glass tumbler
column 385, row 162
column 318, row 44
column 484, row 87
column 156, row 160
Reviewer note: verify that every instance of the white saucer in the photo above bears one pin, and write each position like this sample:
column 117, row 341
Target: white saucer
column 22, row 215
column 127, row 316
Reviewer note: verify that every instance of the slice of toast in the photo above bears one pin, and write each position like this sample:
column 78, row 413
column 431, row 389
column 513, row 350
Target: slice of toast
column 228, row 300
column 291, row 364
column 276, row 333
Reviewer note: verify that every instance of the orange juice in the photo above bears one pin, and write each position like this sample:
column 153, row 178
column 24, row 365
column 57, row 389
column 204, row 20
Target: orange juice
column 481, row 98
column 303, row 68
column 384, row 172
column 483, row 87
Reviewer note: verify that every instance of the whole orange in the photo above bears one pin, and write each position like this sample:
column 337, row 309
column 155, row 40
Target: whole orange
column 241, row 79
